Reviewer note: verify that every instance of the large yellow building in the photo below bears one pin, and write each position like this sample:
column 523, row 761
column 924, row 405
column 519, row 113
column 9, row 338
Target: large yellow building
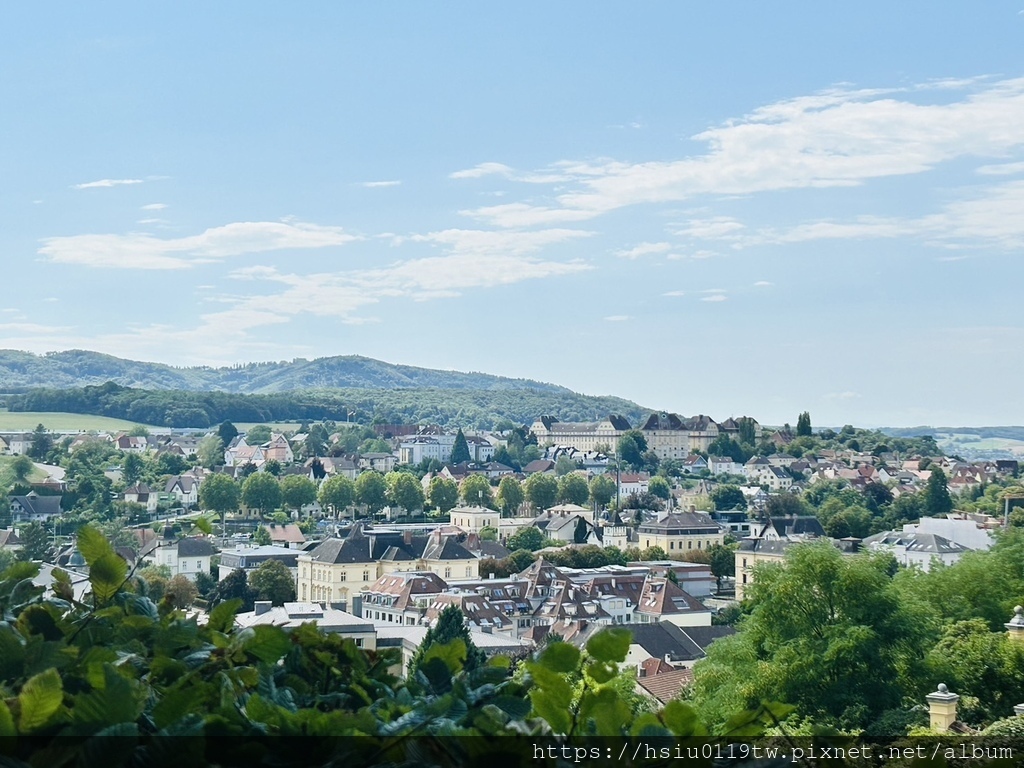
column 680, row 532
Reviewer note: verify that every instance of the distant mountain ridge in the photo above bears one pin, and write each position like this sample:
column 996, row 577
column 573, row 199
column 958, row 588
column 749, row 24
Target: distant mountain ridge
column 20, row 371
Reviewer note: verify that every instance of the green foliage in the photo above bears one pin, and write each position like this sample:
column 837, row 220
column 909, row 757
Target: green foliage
column 274, row 582
column 659, row 487
column 937, row 501
column 262, row 536
column 210, row 451
column 460, row 450
column 476, row 490
column 443, row 494
column 541, row 491
column 632, row 447
column 510, row 496
column 405, row 491
column 803, row 425
column 219, row 493
column 448, row 642
column 297, row 491
column 371, row 491
column 261, row 491
column 35, row 542
column 337, row 494
column 529, row 538
column 602, row 490
column 256, row 435
column 727, row 496
column 573, row 489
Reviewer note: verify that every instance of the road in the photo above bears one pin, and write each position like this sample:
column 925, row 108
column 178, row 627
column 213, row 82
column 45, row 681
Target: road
column 56, row 473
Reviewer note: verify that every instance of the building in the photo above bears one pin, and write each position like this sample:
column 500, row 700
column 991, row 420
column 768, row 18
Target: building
column 401, row 598
column 680, row 532
column 33, row 508
column 582, row 436
column 187, row 556
column 251, row 558
column 184, row 489
column 286, row 535
column 474, row 519
column 328, row 620
column 916, row 548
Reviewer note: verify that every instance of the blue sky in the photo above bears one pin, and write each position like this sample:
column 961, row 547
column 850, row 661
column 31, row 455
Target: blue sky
column 707, row 208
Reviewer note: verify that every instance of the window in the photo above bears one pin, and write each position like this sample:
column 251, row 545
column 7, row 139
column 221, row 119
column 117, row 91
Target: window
column 343, row 576
column 366, row 575
column 689, row 545
column 447, row 573
column 469, row 570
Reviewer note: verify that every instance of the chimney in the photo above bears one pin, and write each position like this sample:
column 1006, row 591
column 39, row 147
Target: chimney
column 262, row 606
column 407, row 538
column 1015, row 626
column 692, row 509
column 941, row 708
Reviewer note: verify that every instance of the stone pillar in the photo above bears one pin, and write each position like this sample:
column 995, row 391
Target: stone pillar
column 941, row 708
column 1015, row 626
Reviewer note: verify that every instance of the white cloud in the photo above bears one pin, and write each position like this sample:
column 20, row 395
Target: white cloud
column 373, row 184
column 714, row 228
column 840, row 137
column 150, row 221
column 154, row 207
column 674, row 293
column 525, row 215
column 644, row 249
column 715, row 297
column 481, row 170
column 617, row 318
column 33, row 328
column 714, row 290
column 105, row 183
column 763, row 284
column 142, row 251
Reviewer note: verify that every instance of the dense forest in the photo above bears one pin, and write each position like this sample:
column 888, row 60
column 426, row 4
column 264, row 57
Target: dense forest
column 478, row 408
column 77, row 368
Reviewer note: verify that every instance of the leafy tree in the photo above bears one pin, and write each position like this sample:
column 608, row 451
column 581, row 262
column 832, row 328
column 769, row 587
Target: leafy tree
column 723, row 445
column 564, row 465
column 460, row 450
column 274, row 582
column 221, row 494
column 529, row 538
column 261, row 491
column 785, row 504
column 42, row 443
column 877, row 496
column 227, row 432
column 272, row 467
column 210, row 451
column 22, row 468
column 443, row 494
column 371, row 491
column 844, row 651
column 156, row 578
column 168, row 463
column 502, row 456
column 632, row 446
column 337, row 494
column 132, row 469
column 205, row 584
column 602, row 490
column 541, row 490
column 722, row 561
column 852, row 521
column 258, row 434
column 748, row 430
column 728, row 497
column 937, row 501
column 450, row 627
column 654, row 553
column 298, row 491
column 510, row 496
column 405, row 491
column 35, row 542
column 658, row 486
column 803, row 425
column 488, row 533
column 476, row 489
column 234, row 586
column 181, row 591
column 262, row 536
column 573, row 489
column 520, row 559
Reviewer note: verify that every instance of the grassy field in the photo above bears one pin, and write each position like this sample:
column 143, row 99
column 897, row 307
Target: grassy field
column 276, row 426
column 964, row 442
column 62, row 422
column 37, row 475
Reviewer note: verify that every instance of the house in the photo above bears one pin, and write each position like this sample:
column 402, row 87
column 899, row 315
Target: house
column 131, row 443
column 409, row 639
column 401, row 598
column 142, row 494
column 474, row 519
column 695, row 463
column 481, row 614
column 184, row 489
column 793, row 527
column 755, row 550
column 251, row 558
column 680, row 532
column 568, row 527
column 916, row 548
column 19, row 444
column 188, row 556
column 539, row 465
column 661, row 600
column 277, row 449
column 480, row 448
column 724, row 465
column 9, row 540
column 633, row 482
column 378, row 462
column 328, row 620
column 33, row 508
column 288, row 535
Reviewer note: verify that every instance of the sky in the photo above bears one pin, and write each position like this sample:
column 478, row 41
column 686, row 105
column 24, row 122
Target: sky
column 718, row 208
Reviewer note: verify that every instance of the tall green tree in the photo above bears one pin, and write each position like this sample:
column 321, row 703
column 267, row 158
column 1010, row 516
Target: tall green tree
column 632, row 447
column 510, row 496
column 658, row 486
column 937, row 501
column 443, row 494
column 449, row 627
column 541, row 491
column 261, row 491
column 22, row 468
column 529, row 538
column 371, row 491
column 227, row 432
column 297, row 491
column 405, row 491
column 35, row 542
column 42, row 443
column 602, row 490
column 234, row 586
column 728, row 497
column 803, row 424
column 210, row 451
column 337, row 494
column 132, row 469
column 460, row 450
column 274, row 582
column 476, row 489
column 573, row 489
column 220, row 493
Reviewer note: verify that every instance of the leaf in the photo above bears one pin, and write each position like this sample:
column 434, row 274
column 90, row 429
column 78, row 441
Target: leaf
column 92, row 544
column 559, row 657
column 682, row 719
column 118, row 701
column 268, row 643
column 222, row 618
column 6, row 721
column 610, row 644
column 601, row 672
column 203, row 524
column 648, row 725
column 551, row 698
column 452, row 653
column 20, row 572
column 514, row 707
column 606, row 710
column 107, row 574
column 39, row 700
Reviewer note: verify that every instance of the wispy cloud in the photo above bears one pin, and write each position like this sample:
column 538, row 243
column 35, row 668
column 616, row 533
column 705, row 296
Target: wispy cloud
column 373, row 184
column 644, row 249
column 617, row 318
column 715, row 297
column 481, row 170
column 674, row 293
column 105, row 183
column 763, row 284
column 143, row 251
column 154, row 207
column 839, row 137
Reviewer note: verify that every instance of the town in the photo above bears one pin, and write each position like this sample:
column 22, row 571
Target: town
column 529, row 534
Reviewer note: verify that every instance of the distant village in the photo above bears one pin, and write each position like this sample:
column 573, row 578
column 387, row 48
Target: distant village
column 668, row 552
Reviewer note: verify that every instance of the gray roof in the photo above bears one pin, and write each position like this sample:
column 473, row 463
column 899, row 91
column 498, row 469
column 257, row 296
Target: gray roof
column 665, row 639
column 190, row 547
column 917, row 541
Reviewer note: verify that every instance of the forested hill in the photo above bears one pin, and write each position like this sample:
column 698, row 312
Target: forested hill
column 20, row 371
column 478, row 408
